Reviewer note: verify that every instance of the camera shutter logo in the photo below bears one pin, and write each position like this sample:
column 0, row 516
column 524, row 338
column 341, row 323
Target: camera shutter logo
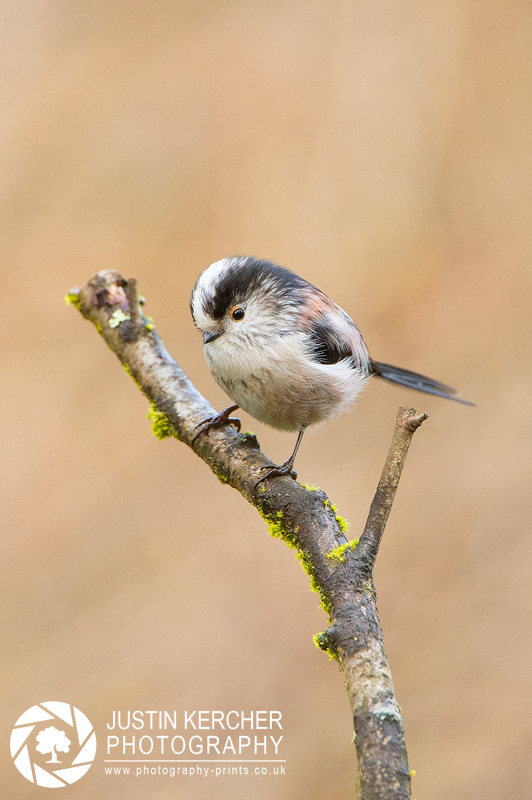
column 59, row 731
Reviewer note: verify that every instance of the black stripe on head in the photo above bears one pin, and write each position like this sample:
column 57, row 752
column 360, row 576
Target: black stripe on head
column 245, row 277
column 325, row 345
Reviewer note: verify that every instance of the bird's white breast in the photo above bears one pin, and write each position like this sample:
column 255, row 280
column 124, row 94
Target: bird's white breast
column 277, row 383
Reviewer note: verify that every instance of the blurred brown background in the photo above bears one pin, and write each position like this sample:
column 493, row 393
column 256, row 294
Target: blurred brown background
column 383, row 151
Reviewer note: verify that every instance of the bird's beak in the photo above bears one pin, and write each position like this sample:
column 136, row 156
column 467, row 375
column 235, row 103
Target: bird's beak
column 210, row 337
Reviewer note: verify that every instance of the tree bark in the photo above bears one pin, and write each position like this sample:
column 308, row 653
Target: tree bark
column 340, row 570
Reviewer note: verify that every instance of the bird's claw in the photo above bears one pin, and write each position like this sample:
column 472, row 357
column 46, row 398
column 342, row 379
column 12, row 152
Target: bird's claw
column 277, row 472
column 222, row 418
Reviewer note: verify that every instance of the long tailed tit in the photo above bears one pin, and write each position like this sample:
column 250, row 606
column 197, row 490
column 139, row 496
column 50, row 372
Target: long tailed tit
column 282, row 350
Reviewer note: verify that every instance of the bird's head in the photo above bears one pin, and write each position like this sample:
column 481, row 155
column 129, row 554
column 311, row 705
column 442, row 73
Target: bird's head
column 241, row 298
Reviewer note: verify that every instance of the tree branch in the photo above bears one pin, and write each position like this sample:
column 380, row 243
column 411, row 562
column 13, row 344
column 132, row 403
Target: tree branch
column 340, row 570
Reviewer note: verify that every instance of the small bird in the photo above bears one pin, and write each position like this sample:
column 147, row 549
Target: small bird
column 283, row 351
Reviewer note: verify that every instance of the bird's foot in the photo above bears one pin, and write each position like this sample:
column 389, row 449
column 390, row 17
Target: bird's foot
column 277, row 472
column 223, row 418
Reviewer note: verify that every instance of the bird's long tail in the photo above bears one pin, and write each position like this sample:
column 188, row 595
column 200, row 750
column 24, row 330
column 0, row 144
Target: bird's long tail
column 415, row 381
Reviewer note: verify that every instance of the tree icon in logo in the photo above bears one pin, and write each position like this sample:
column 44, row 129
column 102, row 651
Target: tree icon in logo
column 43, row 729
column 48, row 739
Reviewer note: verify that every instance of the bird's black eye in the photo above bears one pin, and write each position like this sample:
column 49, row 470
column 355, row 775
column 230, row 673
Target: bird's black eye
column 237, row 313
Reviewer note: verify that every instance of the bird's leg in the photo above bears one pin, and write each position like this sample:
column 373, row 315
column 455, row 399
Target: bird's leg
column 222, row 418
column 286, row 468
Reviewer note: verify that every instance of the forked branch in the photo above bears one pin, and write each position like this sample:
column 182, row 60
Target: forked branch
column 340, row 570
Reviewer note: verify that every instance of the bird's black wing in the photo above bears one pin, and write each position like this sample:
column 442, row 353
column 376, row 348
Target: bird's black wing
column 325, row 346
